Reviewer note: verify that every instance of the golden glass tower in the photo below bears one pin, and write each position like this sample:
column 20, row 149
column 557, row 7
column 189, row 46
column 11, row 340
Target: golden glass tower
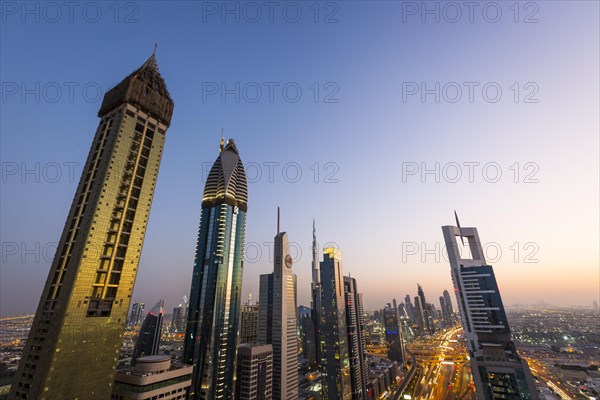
column 74, row 342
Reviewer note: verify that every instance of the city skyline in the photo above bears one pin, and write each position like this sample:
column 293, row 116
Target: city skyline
column 557, row 134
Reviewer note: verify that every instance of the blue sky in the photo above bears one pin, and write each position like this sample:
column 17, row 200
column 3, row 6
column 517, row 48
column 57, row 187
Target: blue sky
column 357, row 123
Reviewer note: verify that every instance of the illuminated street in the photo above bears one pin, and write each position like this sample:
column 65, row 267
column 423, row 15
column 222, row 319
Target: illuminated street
column 444, row 371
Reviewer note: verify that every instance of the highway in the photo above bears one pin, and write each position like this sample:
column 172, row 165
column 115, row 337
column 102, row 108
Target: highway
column 444, row 371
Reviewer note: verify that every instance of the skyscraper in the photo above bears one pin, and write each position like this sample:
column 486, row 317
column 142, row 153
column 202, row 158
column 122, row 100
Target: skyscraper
column 426, row 315
column 178, row 319
column 137, row 311
column 277, row 319
column 420, row 317
column 335, row 362
column 74, row 341
column 249, row 323
column 254, row 372
column 445, row 314
column 393, row 335
column 210, row 342
column 316, row 291
column 498, row 370
column 357, row 353
column 449, row 308
column 148, row 340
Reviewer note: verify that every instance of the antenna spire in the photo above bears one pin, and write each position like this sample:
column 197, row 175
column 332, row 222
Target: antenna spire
column 278, row 220
column 155, row 46
column 222, row 141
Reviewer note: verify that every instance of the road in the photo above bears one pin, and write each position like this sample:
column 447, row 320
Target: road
column 444, row 371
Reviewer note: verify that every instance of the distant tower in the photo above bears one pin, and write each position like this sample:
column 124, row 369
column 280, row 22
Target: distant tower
column 449, row 308
column 496, row 365
column 249, row 323
column 277, row 319
column 335, row 362
column 355, row 325
column 137, row 311
column 316, row 291
column 427, row 317
column 420, row 317
column 148, row 340
column 254, row 372
column 393, row 335
column 210, row 342
column 178, row 319
column 74, row 342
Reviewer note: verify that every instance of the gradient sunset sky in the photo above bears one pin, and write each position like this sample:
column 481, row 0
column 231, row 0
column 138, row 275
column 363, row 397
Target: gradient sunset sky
column 362, row 131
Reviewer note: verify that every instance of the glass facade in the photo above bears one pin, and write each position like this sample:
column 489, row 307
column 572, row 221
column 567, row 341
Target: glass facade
column 215, row 297
column 74, row 342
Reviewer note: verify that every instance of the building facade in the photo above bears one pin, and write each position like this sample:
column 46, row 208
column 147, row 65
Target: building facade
column 357, row 350
column 254, row 374
column 153, row 377
column 277, row 319
column 148, row 340
column 393, row 335
column 498, row 370
column 333, row 335
column 75, row 338
column 249, row 323
column 137, row 313
column 210, row 342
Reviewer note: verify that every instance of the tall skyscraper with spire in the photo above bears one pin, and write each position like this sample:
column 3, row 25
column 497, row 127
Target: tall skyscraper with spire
column 316, row 291
column 215, row 297
column 277, row 319
column 426, row 314
column 498, row 370
column 74, row 342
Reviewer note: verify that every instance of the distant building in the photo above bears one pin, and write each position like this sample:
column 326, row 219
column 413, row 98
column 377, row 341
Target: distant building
column 137, row 313
column 178, row 319
column 357, row 353
column 249, row 323
column 426, row 314
column 498, row 370
column 148, row 340
column 393, row 335
column 153, row 377
column 254, row 372
column 307, row 335
column 335, row 362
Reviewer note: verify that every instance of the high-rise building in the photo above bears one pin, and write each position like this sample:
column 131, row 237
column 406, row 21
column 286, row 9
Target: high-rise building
column 249, row 323
column 210, row 342
column 444, row 310
column 420, row 317
column 277, row 319
column 153, row 377
column 498, row 370
column 137, row 312
column 316, row 292
column 178, row 319
column 393, row 335
column 333, row 336
column 308, row 338
column 426, row 315
column 254, row 372
column 74, row 341
column 448, row 303
column 148, row 340
column 410, row 310
column 357, row 352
